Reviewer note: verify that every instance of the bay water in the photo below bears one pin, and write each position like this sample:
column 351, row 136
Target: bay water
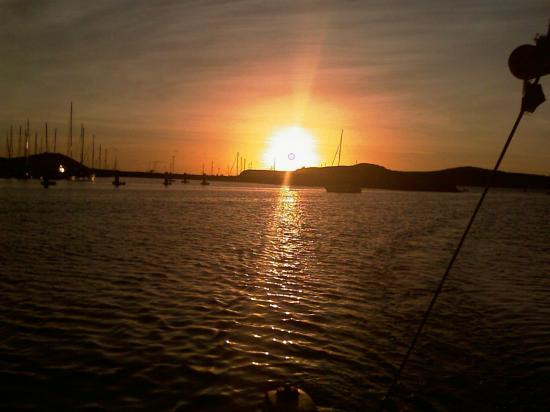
column 195, row 298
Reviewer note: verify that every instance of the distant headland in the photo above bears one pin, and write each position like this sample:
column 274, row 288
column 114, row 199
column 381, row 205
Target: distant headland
column 58, row 166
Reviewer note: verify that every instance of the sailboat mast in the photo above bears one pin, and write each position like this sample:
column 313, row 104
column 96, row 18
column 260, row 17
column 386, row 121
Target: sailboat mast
column 8, row 151
column 27, row 145
column 70, row 140
column 340, row 147
column 19, row 143
column 27, row 148
column 93, row 150
column 46, row 136
column 55, row 140
column 82, row 143
column 11, row 140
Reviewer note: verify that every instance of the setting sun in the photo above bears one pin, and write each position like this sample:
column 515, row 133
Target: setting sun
column 290, row 148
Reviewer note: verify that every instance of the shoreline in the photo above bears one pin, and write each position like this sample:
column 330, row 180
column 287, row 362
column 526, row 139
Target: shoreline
column 364, row 175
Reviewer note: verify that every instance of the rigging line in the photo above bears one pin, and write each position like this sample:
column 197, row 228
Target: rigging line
column 337, row 151
column 340, row 150
column 231, row 171
column 459, row 246
column 335, row 154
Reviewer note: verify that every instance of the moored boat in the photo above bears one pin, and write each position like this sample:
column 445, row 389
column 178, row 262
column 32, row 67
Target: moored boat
column 47, row 182
column 117, row 181
column 343, row 187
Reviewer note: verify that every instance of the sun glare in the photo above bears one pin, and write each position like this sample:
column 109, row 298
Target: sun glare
column 290, row 148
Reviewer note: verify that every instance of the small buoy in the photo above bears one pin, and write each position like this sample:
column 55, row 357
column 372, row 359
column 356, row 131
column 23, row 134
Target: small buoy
column 288, row 398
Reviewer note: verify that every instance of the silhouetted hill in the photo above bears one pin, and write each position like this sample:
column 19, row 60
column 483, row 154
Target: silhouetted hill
column 364, row 174
column 43, row 164
column 374, row 176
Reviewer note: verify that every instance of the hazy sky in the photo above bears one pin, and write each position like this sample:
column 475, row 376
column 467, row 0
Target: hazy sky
column 414, row 85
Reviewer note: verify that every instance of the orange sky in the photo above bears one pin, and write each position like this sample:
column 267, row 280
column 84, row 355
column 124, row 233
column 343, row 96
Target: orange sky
column 415, row 87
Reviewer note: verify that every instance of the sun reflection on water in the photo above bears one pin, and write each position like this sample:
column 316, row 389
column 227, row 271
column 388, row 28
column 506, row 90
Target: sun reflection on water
column 281, row 278
column 277, row 332
column 285, row 246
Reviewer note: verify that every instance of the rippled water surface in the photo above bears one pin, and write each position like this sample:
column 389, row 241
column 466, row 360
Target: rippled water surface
column 200, row 298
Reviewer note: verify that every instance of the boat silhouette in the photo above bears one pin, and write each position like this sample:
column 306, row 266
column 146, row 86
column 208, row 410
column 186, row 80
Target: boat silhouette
column 167, row 180
column 47, row 182
column 117, row 181
column 342, row 186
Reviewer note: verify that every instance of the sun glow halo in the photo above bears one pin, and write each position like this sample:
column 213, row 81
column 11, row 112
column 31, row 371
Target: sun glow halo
column 291, row 148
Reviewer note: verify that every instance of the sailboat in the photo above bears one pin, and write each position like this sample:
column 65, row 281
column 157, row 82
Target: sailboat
column 204, row 182
column 117, row 181
column 167, row 180
column 342, row 186
column 82, row 175
column 47, row 182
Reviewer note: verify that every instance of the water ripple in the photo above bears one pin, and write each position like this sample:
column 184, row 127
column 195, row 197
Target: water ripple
column 193, row 298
